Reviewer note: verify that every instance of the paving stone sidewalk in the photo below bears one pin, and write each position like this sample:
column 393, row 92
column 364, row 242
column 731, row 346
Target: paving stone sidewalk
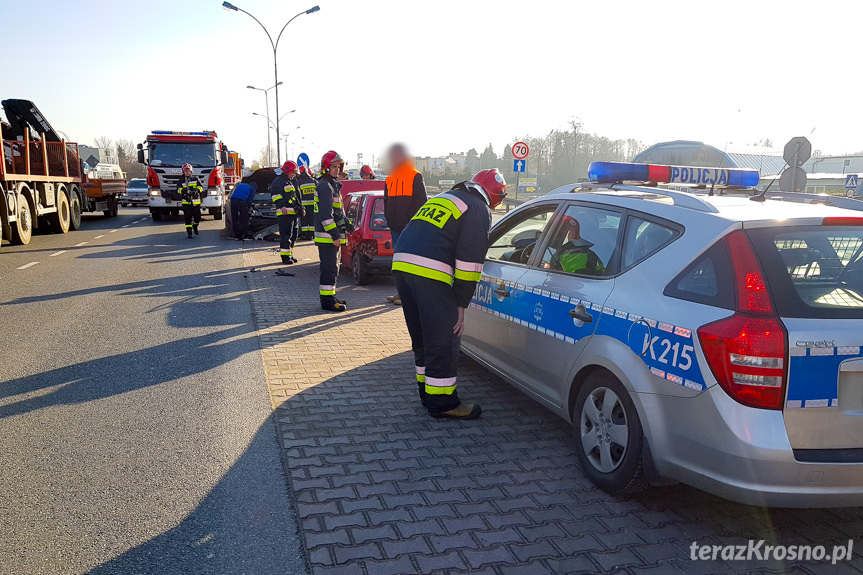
column 381, row 488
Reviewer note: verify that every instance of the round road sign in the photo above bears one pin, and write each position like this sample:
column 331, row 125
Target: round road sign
column 520, row 150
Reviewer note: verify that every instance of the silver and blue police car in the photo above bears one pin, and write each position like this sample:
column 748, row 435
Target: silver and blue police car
column 712, row 339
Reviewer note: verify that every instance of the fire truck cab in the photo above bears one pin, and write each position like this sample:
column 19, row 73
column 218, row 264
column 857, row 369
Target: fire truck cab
column 165, row 153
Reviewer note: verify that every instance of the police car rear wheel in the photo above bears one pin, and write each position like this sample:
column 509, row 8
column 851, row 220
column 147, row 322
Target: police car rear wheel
column 608, row 430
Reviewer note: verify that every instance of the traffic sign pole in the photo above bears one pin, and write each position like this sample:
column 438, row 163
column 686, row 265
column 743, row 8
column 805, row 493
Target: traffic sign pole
column 520, row 150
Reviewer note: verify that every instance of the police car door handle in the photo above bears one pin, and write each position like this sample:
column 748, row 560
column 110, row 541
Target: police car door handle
column 580, row 314
column 502, row 291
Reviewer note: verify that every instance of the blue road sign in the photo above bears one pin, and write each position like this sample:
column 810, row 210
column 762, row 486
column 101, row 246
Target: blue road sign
column 303, row 159
column 851, row 181
column 518, row 166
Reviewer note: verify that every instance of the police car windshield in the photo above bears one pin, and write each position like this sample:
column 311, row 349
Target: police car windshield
column 176, row 154
column 814, row 271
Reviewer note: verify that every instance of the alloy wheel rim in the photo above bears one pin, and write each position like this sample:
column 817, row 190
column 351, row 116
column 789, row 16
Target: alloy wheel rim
column 604, row 430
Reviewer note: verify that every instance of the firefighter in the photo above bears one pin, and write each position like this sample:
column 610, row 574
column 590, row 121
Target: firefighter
column 191, row 192
column 367, row 173
column 404, row 194
column 329, row 225
column 306, row 182
column 436, row 267
column 286, row 198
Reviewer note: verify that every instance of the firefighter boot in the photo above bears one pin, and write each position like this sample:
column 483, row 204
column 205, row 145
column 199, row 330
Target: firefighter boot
column 334, row 306
column 189, row 232
column 463, row 411
column 195, row 228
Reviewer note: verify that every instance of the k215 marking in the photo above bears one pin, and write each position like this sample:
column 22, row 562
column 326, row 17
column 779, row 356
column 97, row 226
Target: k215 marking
column 660, row 348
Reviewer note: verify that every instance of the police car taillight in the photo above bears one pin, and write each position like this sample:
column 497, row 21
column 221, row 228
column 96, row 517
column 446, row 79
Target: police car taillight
column 747, row 351
column 842, row 222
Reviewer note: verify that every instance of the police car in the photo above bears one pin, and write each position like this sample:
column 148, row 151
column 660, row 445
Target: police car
column 704, row 338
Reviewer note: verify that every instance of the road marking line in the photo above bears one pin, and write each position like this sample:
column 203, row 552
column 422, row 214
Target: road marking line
column 25, row 266
column 97, row 237
column 112, row 231
column 79, row 245
column 127, row 225
column 58, row 253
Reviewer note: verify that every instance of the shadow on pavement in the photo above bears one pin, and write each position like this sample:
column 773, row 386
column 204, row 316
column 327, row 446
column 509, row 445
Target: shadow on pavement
column 213, row 539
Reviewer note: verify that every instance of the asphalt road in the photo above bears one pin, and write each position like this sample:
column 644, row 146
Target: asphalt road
column 135, row 426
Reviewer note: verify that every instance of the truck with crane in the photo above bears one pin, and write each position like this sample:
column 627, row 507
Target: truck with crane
column 43, row 180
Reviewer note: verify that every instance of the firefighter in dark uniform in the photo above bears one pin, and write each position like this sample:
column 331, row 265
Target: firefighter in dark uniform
column 286, row 198
column 191, row 193
column 436, row 266
column 330, row 228
column 307, row 184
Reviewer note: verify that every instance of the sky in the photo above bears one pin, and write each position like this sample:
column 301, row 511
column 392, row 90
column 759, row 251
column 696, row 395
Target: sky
column 443, row 75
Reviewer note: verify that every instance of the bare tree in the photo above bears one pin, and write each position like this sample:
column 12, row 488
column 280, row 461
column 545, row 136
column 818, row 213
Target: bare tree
column 104, row 142
column 262, row 160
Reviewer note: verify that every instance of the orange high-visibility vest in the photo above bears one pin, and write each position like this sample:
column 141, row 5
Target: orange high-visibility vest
column 401, row 181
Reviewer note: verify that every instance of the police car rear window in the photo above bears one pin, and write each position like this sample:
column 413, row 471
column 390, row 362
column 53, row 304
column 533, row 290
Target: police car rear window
column 706, row 280
column 813, row 272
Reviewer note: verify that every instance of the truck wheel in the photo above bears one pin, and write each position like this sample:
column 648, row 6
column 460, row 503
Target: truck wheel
column 217, row 213
column 60, row 220
column 157, row 214
column 359, row 269
column 22, row 231
column 609, row 434
column 74, row 208
column 113, row 209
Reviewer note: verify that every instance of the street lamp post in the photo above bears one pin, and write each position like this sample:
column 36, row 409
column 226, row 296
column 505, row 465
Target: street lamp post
column 267, row 103
column 230, row 7
column 285, row 136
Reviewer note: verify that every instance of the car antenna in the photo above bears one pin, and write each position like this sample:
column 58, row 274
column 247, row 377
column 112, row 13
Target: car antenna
column 761, row 197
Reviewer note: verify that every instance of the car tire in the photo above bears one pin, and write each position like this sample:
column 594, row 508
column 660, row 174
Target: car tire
column 123, row 204
column 604, row 419
column 359, row 269
column 157, row 214
column 217, row 213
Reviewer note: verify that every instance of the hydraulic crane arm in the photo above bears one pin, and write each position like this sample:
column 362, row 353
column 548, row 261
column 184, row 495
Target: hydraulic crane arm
column 22, row 114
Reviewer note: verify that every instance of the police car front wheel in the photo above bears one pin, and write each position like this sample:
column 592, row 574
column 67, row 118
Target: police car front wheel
column 609, row 432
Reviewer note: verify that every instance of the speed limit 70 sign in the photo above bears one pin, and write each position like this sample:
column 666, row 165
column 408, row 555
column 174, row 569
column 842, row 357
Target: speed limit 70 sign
column 520, row 150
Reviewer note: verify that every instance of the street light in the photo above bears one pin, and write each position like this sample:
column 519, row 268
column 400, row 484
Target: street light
column 285, row 136
column 267, row 102
column 231, row 8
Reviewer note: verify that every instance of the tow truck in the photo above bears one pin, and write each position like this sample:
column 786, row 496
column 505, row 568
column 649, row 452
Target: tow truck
column 165, row 152
column 43, row 183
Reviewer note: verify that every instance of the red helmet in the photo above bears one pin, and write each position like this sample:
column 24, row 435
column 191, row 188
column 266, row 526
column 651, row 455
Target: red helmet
column 492, row 186
column 329, row 159
column 303, row 168
column 186, row 166
column 367, row 171
column 289, row 167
